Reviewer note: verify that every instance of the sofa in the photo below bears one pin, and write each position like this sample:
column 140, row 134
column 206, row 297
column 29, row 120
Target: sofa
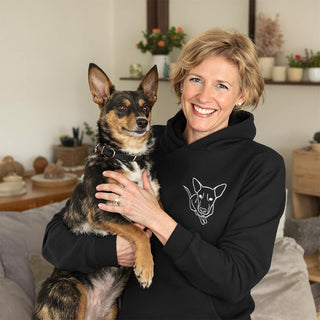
column 283, row 294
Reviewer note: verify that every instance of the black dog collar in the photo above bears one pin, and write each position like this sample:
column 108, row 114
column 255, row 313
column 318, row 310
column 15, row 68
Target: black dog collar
column 111, row 153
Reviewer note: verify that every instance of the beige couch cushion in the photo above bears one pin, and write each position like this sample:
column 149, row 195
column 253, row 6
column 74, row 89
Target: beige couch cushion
column 284, row 293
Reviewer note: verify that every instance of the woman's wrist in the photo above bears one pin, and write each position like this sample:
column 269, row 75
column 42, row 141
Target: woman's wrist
column 162, row 226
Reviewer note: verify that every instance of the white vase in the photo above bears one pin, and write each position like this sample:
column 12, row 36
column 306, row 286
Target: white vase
column 162, row 61
column 295, row 74
column 266, row 65
column 314, row 74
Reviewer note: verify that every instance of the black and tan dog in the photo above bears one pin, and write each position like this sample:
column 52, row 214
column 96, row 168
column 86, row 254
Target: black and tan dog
column 124, row 143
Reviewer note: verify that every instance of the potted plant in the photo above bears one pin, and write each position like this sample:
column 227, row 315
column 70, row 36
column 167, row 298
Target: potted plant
column 315, row 143
column 160, row 45
column 269, row 40
column 312, row 62
column 295, row 70
column 72, row 152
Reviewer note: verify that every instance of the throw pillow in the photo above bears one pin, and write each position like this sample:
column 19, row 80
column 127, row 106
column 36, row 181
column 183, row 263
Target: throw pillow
column 285, row 293
column 41, row 270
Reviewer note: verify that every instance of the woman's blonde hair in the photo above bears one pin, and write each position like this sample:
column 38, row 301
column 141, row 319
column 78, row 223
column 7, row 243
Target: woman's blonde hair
column 235, row 47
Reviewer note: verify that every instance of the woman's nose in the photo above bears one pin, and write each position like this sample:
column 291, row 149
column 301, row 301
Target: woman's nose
column 205, row 94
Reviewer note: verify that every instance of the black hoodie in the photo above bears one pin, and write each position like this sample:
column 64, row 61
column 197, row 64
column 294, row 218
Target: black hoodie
column 227, row 193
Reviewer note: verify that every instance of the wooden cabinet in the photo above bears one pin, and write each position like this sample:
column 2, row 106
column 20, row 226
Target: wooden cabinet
column 306, row 196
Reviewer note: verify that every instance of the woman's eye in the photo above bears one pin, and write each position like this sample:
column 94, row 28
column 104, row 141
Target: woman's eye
column 196, row 80
column 122, row 108
column 222, row 86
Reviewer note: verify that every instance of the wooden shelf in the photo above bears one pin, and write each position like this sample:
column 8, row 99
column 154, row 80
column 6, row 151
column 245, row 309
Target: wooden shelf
column 301, row 83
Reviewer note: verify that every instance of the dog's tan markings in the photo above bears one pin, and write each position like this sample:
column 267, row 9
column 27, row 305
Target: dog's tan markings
column 44, row 313
column 82, row 303
column 112, row 315
column 141, row 102
column 144, row 261
column 126, row 102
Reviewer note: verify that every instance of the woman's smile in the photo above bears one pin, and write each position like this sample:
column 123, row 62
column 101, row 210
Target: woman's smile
column 203, row 111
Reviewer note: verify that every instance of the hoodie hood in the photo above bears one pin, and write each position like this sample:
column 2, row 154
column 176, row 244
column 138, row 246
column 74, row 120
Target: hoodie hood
column 241, row 127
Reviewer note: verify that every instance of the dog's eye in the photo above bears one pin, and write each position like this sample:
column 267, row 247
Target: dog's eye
column 145, row 108
column 122, row 108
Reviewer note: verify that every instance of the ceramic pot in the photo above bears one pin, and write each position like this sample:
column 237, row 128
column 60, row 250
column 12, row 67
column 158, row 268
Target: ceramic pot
column 135, row 70
column 314, row 74
column 315, row 147
column 162, row 61
column 295, row 74
column 266, row 65
column 279, row 73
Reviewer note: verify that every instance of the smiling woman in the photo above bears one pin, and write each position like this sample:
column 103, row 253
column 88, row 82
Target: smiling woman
column 208, row 96
column 213, row 236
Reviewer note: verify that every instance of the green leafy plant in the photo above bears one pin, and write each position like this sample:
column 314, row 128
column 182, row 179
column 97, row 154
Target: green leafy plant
column 311, row 60
column 77, row 138
column 316, row 137
column 75, row 141
column 295, row 61
column 157, row 42
column 89, row 132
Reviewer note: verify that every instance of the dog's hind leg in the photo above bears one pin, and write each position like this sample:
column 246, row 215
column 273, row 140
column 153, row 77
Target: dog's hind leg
column 61, row 299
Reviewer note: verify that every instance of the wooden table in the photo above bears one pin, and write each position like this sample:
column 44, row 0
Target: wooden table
column 35, row 197
column 313, row 265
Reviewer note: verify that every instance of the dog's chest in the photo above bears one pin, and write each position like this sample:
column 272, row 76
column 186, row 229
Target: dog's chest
column 134, row 173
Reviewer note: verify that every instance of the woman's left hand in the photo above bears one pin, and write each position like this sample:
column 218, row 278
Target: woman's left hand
column 135, row 203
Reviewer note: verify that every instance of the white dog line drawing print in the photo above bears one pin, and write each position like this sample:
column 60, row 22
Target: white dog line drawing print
column 203, row 200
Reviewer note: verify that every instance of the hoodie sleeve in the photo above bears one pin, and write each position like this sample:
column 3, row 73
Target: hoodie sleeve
column 83, row 253
column 242, row 256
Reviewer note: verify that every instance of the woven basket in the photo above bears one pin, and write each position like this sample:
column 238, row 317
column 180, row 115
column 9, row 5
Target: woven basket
column 71, row 156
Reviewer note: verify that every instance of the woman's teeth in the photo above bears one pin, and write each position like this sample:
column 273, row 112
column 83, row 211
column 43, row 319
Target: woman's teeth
column 203, row 111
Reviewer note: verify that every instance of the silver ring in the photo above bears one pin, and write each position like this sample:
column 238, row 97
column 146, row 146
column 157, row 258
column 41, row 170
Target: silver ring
column 117, row 201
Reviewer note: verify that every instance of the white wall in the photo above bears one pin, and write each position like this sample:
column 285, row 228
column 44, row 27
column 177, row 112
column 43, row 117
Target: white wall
column 46, row 46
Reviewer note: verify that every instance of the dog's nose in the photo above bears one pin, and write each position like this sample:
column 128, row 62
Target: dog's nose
column 142, row 123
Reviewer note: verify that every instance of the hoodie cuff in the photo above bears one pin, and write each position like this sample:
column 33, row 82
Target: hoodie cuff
column 105, row 251
column 178, row 242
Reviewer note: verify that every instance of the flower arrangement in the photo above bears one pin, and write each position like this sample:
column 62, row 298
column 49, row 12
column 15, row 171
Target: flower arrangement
column 157, row 42
column 312, row 60
column 269, row 38
column 295, row 61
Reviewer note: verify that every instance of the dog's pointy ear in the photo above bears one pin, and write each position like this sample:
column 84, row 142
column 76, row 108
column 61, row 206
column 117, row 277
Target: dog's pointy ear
column 100, row 86
column 149, row 84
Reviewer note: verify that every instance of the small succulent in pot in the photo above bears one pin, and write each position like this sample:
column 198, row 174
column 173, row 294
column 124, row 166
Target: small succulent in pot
column 315, row 143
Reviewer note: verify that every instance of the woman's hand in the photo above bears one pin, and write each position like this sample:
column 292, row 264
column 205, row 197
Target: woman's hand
column 126, row 250
column 137, row 204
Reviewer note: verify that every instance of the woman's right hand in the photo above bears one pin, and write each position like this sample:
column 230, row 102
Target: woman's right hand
column 125, row 249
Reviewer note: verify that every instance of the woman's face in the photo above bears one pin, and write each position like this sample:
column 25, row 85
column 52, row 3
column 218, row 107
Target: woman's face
column 209, row 93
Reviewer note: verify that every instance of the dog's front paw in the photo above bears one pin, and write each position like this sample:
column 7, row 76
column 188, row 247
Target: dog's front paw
column 144, row 269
